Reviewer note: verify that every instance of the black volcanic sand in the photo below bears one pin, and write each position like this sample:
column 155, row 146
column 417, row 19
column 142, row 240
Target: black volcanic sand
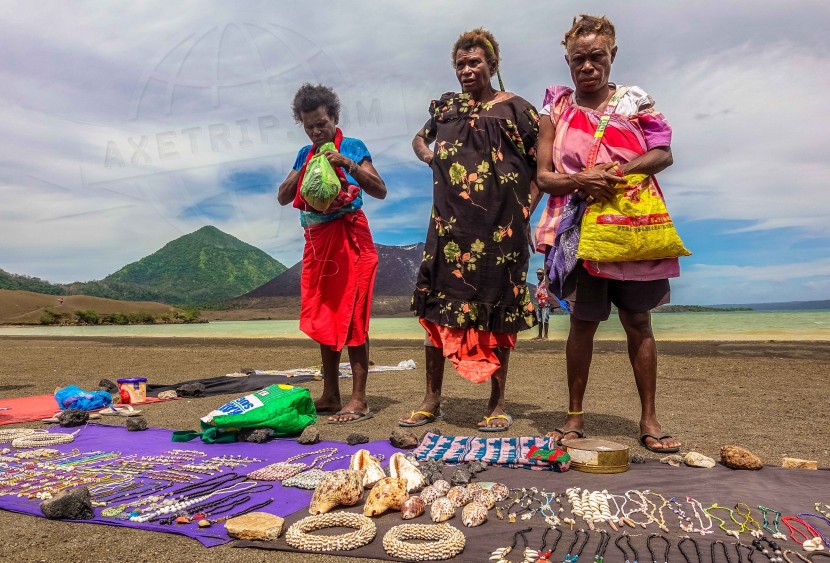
column 768, row 396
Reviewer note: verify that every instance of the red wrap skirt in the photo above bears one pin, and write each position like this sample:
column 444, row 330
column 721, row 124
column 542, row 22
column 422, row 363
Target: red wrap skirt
column 339, row 267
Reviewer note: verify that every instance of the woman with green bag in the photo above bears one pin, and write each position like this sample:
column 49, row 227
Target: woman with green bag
column 339, row 259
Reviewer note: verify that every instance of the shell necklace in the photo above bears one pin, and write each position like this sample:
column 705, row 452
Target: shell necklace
column 287, row 468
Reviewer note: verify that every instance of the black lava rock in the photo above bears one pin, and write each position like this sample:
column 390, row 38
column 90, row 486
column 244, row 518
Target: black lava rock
column 354, row 438
column 255, row 435
column 108, row 386
column 637, row 458
column 73, row 417
column 403, row 439
column 136, row 424
column 311, row 435
column 191, row 390
column 73, row 505
column 462, row 476
column 477, row 466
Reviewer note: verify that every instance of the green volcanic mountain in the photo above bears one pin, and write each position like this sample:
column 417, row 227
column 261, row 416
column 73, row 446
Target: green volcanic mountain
column 207, row 266
column 28, row 283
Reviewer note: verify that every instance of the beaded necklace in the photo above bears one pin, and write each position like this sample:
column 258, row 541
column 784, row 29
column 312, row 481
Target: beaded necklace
column 205, row 523
column 776, row 533
column 310, row 478
column 776, row 550
column 802, row 515
column 793, row 530
column 551, row 519
column 41, row 439
column 694, row 543
column 724, row 549
column 285, row 469
column 738, row 547
column 657, row 512
column 722, row 526
column 180, row 504
column 571, row 557
column 602, row 547
column 749, row 521
column 500, row 555
column 826, row 512
column 546, row 554
column 627, row 538
column 684, row 521
column 642, row 508
column 665, row 553
column 788, row 552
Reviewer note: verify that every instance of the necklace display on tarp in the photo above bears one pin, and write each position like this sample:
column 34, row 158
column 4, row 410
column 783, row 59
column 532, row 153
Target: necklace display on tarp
column 288, row 468
column 310, row 478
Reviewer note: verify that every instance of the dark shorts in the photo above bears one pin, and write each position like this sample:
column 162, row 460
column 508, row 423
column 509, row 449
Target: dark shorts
column 590, row 297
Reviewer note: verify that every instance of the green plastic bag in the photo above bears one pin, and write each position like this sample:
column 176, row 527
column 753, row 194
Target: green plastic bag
column 320, row 184
column 285, row 409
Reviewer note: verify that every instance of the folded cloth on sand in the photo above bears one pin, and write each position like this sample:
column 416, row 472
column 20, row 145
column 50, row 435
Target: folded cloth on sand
column 523, row 452
column 471, row 351
column 73, row 397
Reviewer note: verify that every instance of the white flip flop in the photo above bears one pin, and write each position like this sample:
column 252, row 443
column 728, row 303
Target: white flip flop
column 126, row 410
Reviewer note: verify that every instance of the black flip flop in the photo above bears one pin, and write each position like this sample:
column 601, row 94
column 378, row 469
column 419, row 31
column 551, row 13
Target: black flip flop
column 579, row 434
column 658, row 439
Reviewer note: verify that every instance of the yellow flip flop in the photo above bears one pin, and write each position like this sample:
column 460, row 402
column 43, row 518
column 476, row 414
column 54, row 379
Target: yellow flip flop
column 428, row 417
column 489, row 428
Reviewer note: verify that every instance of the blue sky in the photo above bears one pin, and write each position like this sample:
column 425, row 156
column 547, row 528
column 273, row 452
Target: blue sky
column 122, row 129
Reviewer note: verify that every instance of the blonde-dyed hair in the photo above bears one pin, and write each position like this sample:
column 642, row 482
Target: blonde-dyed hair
column 590, row 25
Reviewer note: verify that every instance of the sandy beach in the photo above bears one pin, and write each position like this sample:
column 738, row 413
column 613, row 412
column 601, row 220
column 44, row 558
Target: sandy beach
column 767, row 396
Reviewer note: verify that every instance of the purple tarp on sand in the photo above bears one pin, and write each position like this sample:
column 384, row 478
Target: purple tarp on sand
column 154, row 441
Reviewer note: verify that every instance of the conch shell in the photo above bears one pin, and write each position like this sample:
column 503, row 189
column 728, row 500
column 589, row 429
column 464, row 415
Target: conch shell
column 695, row 459
column 458, row 495
column 363, row 461
column 412, row 508
column 474, row 514
column 388, row 494
column 401, row 467
column 340, row 487
column 442, row 509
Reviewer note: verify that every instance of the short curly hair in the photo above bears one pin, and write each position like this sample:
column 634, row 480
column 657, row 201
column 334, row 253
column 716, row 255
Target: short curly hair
column 590, row 25
column 478, row 37
column 310, row 97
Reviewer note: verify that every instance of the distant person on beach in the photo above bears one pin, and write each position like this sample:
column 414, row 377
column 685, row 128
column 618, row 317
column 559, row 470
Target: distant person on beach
column 339, row 259
column 542, row 304
column 471, row 293
column 636, row 141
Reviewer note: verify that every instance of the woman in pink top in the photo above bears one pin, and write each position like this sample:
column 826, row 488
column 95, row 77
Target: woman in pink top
column 636, row 140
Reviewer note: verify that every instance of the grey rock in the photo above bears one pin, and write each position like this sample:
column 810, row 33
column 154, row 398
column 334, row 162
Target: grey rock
column 354, row 438
column 73, row 417
column 73, row 505
column 311, row 435
column 637, row 458
column 136, row 424
column 477, row 466
column 255, row 435
column 403, row 439
column 169, row 394
column 191, row 390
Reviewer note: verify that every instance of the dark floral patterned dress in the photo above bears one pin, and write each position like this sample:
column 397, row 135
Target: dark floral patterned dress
column 474, row 270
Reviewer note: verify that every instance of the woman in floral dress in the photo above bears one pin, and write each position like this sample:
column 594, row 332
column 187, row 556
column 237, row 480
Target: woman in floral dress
column 471, row 294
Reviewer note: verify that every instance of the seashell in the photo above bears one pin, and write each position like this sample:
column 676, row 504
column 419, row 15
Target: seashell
column 442, row 486
column 339, row 487
column 442, row 509
column 412, row 508
column 500, row 490
column 363, row 461
column 484, row 497
column 674, row 460
column 695, row 459
column 474, row 514
column 473, row 487
column 430, row 494
column 458, row 495
column 388, row 494
column 401, row 467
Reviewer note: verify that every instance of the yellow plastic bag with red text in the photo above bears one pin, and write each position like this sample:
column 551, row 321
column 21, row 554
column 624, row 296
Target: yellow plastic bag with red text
column 635, row 225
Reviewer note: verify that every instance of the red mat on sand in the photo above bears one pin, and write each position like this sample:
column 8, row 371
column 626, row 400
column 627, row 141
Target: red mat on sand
column 37, row 407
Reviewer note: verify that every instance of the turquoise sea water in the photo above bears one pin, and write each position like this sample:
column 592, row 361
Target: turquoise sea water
column 761, row 325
